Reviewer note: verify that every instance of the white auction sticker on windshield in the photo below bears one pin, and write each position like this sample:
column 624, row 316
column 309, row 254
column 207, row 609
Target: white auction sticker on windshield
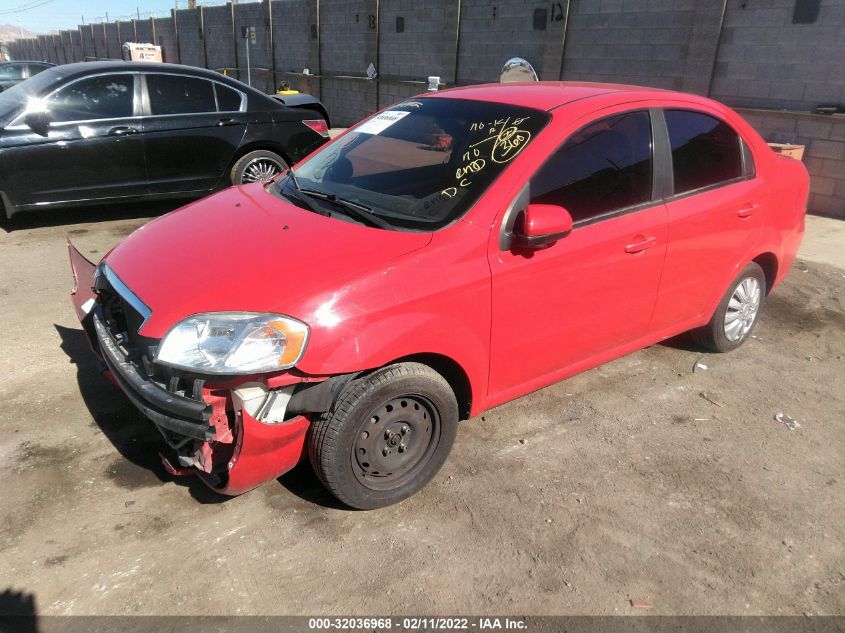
column 381, row 122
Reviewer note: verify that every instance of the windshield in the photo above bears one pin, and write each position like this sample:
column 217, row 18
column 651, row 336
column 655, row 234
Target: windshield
column 422, row 163
column 13, row 99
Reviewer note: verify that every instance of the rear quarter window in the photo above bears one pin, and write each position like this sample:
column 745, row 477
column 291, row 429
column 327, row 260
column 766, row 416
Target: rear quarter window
column 228, row 100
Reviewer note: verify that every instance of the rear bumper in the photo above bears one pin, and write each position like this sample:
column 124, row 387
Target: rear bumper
column 210, row 436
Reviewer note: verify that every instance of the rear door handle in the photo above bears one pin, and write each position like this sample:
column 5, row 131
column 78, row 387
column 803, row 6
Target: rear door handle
column 639, row 247
column 122, row 130
column 746, row 210
column 225, row 122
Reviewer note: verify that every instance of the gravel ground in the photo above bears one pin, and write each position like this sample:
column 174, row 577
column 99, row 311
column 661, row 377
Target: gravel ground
column 622, row 484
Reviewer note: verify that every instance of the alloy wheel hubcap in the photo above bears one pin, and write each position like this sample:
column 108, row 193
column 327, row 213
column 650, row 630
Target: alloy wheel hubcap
column 261, row 170
column 395, row 442
column 742, row 309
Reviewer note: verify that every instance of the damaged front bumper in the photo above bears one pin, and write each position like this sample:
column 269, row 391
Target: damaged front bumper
column 233, row 436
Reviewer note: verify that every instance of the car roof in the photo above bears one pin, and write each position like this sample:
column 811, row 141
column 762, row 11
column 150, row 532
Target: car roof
column 26, row 61
column 86, row 68
column 548, row 95
column 81, row 69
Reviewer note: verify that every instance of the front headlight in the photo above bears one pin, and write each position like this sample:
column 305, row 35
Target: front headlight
column 234, row 343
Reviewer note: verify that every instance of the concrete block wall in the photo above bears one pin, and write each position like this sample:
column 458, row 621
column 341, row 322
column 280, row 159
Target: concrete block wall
column 491, row 32
column 113, row 42
column 65, row 47
column 44, row 46
column 125, row 33
column 50, row 48
column 87, row 39
column 218, row 37
column 191, row 39
column 417, row 39
column 296, row 44
column 824, row 156
column 143, row 30
column 667, row 44
column 294, row 28
column 348, row 38
column 99, row 35
column 166, row 38
column 256, row 15
column 389, row 92
column 746, row 53
column 764, row 60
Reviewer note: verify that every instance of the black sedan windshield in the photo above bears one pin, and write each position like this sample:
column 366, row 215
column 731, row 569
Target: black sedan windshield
column 14, row 99
column 422, row 163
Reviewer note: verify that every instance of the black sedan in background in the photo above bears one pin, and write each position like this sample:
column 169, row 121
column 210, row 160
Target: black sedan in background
column 12, row 73
column 106, row 131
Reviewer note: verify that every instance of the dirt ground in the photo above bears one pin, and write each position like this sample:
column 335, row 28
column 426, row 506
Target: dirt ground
column 621, row 484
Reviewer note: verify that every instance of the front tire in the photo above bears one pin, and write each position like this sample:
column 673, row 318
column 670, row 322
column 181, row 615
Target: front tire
column 385, row 437
column 737, row 313
column 257, row 166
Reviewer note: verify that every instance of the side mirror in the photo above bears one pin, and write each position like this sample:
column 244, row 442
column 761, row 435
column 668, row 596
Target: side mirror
column 541, row 225
column 39, row 122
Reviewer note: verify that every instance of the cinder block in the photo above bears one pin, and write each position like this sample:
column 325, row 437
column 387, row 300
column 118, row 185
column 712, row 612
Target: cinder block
column 822, row 185
column 814, row 128
column 827, row 149
column 827, row 205
column 833, row 168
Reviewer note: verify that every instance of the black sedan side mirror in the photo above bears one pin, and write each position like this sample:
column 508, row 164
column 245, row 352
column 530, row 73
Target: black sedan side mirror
column 39, row 122
column 541, row 225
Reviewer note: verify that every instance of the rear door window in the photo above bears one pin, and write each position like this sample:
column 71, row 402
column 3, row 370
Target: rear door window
column 99, row 97
column 34, row 69
column 705, row 150
column 178, row 94
column 604, row 167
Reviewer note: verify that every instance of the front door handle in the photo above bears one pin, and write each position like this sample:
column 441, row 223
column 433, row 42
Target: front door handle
column 122, row 130
column 225, row 122
column 746, row 210
column 639, row 247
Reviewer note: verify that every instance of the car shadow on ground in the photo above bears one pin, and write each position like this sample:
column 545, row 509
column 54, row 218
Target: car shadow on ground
column 135, row 438
column 685, row 343
column 18, row 611
column 302, row 482
column 139, row 443
column 84, row 215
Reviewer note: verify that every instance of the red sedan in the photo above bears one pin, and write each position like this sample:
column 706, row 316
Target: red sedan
column 451, row 253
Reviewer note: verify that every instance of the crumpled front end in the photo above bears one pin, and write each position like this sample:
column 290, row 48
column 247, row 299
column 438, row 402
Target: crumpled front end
column 234, row 434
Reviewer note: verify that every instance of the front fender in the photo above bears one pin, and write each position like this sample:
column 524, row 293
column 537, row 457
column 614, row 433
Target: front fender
column 433, row 301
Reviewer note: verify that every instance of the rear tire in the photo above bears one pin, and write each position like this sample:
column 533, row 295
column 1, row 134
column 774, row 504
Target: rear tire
column 257, row 166
column 387, row 434
column 737, row 313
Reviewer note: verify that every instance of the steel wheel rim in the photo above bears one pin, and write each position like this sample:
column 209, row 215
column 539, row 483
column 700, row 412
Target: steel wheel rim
column 743, row 307
column 395, row 442
column 260, row 170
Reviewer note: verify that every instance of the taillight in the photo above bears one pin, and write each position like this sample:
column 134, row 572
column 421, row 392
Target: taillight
column 318, row 125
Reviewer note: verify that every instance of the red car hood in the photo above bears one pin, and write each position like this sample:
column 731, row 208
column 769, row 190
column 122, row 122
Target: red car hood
column 244, row 249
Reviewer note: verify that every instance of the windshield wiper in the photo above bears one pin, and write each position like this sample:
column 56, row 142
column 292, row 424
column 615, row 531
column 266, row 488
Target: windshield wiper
column 316, row 208
column 355, row 209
